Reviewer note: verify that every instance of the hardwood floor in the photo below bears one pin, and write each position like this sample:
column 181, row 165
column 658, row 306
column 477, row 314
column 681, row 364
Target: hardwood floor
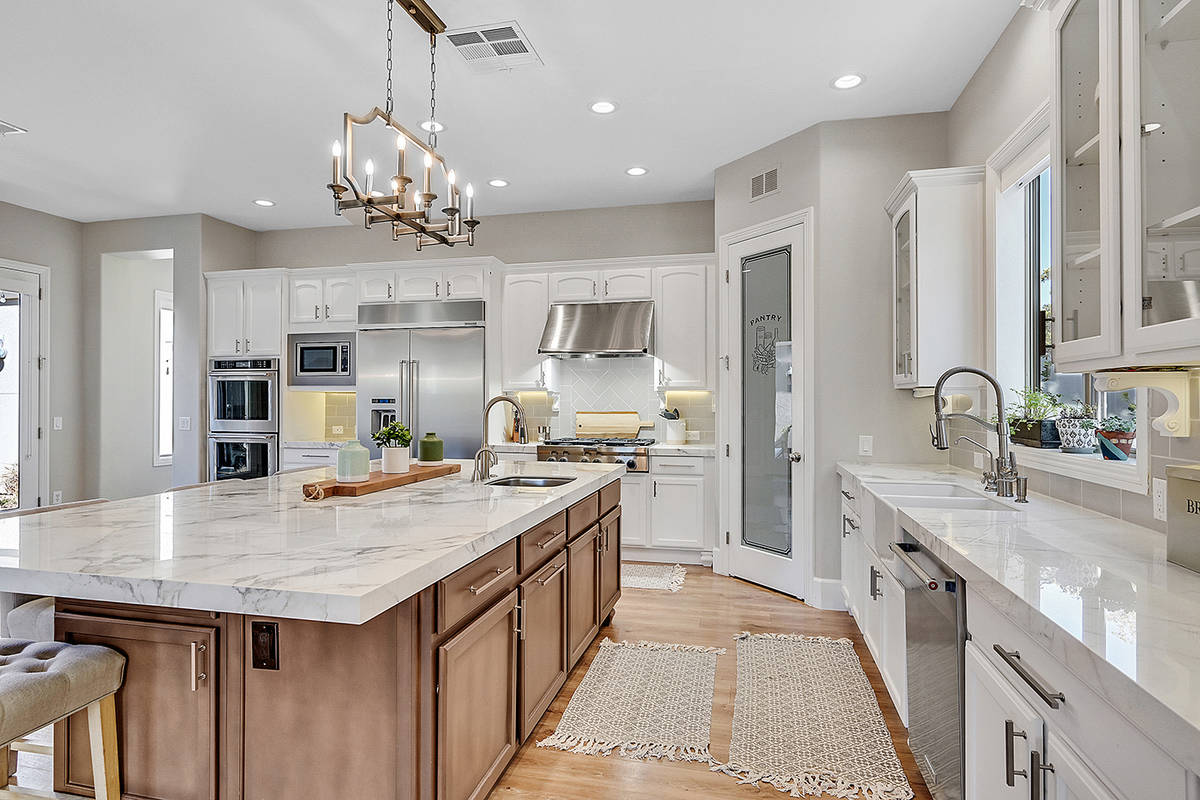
column 709, row 610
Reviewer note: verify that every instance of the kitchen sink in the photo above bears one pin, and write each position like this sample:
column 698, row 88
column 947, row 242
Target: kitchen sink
column 922, row 490
column 529, row 481
column 951, row 503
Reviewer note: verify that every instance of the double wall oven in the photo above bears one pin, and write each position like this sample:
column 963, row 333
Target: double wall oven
column 243, row 418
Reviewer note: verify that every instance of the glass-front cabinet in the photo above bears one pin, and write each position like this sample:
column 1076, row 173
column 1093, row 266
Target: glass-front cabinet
column 1161, row 129
column 1086, row 228
column 904, row 315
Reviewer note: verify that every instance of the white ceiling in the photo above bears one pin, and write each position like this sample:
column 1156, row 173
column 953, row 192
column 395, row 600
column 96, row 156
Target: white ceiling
column 144, row 107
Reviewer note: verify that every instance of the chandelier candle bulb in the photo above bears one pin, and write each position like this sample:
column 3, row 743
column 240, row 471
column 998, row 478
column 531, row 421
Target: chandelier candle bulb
column 428, row 172
column 369, row 169
column 337, row 163
column 399, row 155
column 470, row 209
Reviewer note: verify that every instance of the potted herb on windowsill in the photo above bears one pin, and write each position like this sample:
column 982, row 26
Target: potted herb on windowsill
column 394, row 440
column 1076, row 426
column 1116, row 437
column 1031, row 421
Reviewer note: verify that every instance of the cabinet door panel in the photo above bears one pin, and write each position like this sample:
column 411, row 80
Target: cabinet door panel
column 1187, row 259
column 477, row 703
column 583, row 586
column 1072, row 778
column 341, row 299
column 377, row 286
column 543, row 640
column 627, row 284
column 610, row 562
column 306, row 299
column 523, row 317
column 419, row 285
column 160, row 712
column 225, row 315
column 634, row 510
column 894, row 664
column 681, row 335
column 991, row 702
column 464, row 283
column 677, row 511
column 904, row 314
column 264, row 316
column 569, row 287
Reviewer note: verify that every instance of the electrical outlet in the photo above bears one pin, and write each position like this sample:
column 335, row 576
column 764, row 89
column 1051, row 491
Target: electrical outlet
column 1160, row 498
column 57, row 423
column 338, row 430
column 980, row 461
column 56, row 497
column 185, row 423
column 866, row 445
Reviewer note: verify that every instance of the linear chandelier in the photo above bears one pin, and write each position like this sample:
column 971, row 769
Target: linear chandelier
column 409, row 210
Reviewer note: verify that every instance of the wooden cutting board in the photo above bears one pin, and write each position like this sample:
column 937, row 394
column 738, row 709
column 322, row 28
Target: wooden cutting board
column 609, row 423
column 378, row 481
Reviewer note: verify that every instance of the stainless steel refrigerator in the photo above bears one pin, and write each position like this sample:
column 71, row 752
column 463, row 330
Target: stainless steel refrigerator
column 422, row 364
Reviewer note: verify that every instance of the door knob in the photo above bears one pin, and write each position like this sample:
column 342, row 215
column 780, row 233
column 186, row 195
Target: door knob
column 795, row 457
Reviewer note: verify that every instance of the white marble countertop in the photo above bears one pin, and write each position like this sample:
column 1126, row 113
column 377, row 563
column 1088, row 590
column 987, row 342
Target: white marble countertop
column 255, row 547
column 1036, row 565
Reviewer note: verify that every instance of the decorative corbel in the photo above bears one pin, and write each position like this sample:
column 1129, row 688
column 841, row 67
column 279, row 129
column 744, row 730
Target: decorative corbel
column 1175, row 385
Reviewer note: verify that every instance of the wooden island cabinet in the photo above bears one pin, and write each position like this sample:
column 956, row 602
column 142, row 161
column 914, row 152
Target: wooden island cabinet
column 429, row 700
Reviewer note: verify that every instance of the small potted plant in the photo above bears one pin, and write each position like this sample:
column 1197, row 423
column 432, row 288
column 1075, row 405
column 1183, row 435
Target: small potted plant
column 1116, row 437
column 394, row 440
column 1031, row 421
column 1076, row 426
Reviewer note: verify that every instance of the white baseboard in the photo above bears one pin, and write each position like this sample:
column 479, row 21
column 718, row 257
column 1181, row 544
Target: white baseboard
column 826, row 595
column 661, row 555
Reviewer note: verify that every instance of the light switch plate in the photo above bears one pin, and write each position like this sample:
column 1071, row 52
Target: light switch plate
column 185, row 423
column 866, row 445
column 1160, row 498
column 56, row 497
column 57, row 423
column 338, row 430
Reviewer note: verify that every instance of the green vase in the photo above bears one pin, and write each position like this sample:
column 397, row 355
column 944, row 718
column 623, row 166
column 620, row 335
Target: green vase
column 430, row 450
column 353, row 462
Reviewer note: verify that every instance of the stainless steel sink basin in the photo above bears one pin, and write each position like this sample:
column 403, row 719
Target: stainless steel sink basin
column 921, row 490
column 529, row 481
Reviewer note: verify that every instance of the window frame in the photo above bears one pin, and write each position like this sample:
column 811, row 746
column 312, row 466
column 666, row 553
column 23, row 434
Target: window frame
column 163, row 301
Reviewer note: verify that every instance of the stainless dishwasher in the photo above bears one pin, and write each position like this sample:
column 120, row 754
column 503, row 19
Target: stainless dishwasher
column 936, row 631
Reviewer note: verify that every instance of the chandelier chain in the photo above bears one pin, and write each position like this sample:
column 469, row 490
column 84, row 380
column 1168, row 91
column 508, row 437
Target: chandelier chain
column 433, row 91
column 388, row 109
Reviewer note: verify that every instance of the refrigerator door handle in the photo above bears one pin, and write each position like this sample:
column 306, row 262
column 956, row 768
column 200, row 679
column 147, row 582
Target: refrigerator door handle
column 414, row 387
column 404, row 406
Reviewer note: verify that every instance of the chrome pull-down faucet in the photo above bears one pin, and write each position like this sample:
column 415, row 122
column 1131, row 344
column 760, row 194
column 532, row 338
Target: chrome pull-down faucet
column 486, row 457
column 1004, row 464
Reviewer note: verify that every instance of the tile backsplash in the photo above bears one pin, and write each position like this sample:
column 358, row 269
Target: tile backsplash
column 340, row 411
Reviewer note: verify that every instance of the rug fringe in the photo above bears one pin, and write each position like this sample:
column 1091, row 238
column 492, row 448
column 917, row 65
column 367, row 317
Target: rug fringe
column 816, row 782
column 639, row 750
column 795, row 637
column 675, row 582
column 681, row 648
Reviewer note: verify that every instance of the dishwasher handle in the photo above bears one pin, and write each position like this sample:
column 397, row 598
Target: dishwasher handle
column 931, row 583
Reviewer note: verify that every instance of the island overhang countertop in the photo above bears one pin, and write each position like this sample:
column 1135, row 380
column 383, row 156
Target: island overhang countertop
column 256, row 547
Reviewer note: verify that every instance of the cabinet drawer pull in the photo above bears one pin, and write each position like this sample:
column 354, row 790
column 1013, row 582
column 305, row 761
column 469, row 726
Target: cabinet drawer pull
column 315, row 455
column 500, row 573
column 326, row 311
column 1010, row 765
column 316, row 312
column 1036, row 768
column 447, row 288
column 848, row 526
column 552, row 575
column 544, row 543
column 389, row 290
column 876, row 592
column 1013, row 659
column 197, row 649
column 847, row 495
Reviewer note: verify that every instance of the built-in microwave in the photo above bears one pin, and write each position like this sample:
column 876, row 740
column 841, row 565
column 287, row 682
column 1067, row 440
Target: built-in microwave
column 321, row 359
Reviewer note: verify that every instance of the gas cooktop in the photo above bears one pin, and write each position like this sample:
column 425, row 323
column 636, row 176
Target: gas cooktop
column 633, row 453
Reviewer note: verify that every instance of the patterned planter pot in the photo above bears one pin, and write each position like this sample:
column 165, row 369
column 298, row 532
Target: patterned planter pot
column 1115, row 445
column 1077, row 435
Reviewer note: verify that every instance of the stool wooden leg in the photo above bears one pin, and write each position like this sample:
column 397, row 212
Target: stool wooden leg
column 102, row 730
column 4, row 766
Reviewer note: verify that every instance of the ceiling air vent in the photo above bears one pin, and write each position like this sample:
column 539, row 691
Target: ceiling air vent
column 7, row 128
column 764, row 183
column 494, row 48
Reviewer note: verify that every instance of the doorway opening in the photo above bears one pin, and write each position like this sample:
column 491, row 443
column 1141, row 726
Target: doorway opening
column 21, row 452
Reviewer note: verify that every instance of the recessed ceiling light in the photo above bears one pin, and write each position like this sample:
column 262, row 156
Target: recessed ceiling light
column 499, row 183
column 848, row 81
column 636, row 171
column 264, row 203
column 604, row 106
column 432, row 126
column 1151, row 127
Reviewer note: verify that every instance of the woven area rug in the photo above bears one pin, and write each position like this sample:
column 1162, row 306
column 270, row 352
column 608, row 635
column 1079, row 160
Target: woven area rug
column 642, row 700
column 806, row 721
column 652, row 576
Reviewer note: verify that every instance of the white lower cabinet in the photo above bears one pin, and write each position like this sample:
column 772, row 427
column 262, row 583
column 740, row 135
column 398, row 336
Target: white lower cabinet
column 634, row 510
column 893, row 655
column 1071, row 778
column 677, row 511
column 1001, row 730
column 851, row 542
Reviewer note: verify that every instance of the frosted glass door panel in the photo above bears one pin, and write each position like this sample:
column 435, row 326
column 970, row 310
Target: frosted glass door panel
column 904, row 294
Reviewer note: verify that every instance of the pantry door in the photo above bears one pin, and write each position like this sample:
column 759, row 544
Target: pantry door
column 764, row 388
column 19, row 389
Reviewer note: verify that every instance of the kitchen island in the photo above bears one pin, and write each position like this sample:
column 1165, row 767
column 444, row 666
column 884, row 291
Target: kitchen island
column 353, row 647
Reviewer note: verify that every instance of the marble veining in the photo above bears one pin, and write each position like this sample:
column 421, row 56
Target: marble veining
column 1097, row 592
column 255, row 547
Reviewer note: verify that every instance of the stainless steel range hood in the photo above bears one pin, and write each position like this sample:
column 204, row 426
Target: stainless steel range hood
column 605, row 330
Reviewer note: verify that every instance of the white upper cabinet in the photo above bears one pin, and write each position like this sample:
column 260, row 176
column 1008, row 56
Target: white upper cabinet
column 937, row 264
column 341, row 299
column 306, row 296
column 522, row 319
column 1160, row 60
column 377, row 286
column 634, row 283
column 322, row 301
column 574, row 287
column 416, row 284
column 245, row 314
column 681, row 330
column 463, row 283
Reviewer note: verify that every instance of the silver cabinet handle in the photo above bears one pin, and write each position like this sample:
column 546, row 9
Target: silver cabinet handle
column 447, row 288
column 552, row 575
column 198, row 648
column 314, row 455
column 656, row 488
column 237, row 345
column 500, row 573
column 847, row 495
column 389, row 290
column 247, row 345
column 593, row 288
column 901, row 553
column 317, row 312
column 1010, row 765
column 848, row 526
column 876, row 592
column 606, row 287
column 544, row 543
column 326, row 311
column 520, row 629
column 1013, row 659
column 1036, row 768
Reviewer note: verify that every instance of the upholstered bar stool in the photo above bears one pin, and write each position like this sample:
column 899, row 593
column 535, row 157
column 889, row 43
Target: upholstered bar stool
column 44, row 682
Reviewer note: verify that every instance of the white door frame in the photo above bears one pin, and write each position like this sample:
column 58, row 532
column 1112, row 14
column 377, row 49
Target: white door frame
column 42, row 275
column 729, row 429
